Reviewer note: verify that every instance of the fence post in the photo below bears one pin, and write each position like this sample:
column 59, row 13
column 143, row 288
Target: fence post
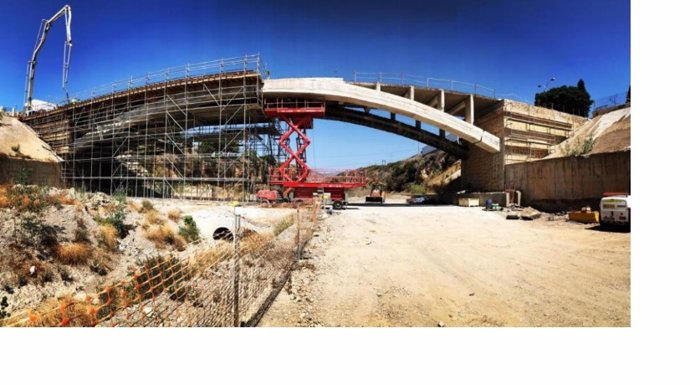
column 237, row 281
column 298, row 252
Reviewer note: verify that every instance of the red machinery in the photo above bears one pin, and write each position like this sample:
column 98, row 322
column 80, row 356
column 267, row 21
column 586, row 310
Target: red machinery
column 294, row 175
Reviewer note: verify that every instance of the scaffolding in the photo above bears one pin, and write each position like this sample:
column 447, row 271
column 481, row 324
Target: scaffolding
column 192, row 132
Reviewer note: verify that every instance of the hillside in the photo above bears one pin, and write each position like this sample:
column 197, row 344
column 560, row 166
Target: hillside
column 605, row 133
column 416, row 175
column 18, row 140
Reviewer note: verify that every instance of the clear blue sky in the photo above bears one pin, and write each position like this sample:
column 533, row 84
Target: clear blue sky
column 509, row 45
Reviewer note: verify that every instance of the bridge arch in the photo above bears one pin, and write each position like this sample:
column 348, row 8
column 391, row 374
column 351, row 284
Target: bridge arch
column 336, row 92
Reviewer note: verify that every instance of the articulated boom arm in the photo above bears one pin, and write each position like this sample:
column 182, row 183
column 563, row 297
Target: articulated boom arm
column 45, row 27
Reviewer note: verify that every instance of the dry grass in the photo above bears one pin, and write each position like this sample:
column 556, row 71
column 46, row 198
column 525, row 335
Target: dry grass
column 81, row 234
column 133, row 206
column 203, row 259
column 146, row 206
column 284, row 224
column 73, row 253
column 66, row 311
column 163, row 235
column 153, row 217
column 4, row 199
column 175, row 215
column 63, row 198
column 107, row 236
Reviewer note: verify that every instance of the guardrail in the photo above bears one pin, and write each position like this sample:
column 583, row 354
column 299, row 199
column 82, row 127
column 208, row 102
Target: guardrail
column 246, row 63
column 429, row 82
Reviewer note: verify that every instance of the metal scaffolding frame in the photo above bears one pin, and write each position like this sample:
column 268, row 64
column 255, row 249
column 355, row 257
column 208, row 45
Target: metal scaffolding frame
column 192, row 132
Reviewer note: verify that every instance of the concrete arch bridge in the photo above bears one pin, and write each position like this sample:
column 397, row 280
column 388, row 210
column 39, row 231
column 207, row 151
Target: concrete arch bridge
column 169, row 137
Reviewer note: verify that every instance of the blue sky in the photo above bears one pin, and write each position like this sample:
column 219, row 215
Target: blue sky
column 511, row 46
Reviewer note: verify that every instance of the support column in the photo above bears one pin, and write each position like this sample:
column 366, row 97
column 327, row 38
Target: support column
column 410, row 93
column 442, row 107
column 469, row 110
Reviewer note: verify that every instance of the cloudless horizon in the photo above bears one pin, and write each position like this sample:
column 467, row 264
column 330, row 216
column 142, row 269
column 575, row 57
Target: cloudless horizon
column 511, row 47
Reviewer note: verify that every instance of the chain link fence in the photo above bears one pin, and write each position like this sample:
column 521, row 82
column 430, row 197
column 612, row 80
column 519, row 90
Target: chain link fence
column 230, row 282
column 609, row 103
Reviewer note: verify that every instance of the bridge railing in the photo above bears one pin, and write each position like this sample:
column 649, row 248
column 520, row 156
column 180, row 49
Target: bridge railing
column 249, row 63
column 405, row 79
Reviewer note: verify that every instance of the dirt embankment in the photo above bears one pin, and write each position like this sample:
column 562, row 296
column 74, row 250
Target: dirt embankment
column 20, row 141
column 609, row 133
column 56, row 243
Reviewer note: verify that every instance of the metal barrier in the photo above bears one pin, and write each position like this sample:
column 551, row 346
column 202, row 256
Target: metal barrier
column 610, row 102
column 241, row 63
column 405, row 79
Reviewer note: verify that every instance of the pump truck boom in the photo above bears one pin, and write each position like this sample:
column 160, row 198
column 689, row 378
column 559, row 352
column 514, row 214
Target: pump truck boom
column 67, row 52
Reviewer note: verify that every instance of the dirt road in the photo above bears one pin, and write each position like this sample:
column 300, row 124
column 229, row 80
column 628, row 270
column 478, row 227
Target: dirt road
column 454, row 266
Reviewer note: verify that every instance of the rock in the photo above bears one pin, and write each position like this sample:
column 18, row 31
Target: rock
column 472, row 294
column 441, row 324
column 148, row 311
column 81, row 297
column 32, row 270
column 379, row 294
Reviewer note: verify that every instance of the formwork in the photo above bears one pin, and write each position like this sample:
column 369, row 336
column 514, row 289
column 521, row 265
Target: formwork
column 196, row 132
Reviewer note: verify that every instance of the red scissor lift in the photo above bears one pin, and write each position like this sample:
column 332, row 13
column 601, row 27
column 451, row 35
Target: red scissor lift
column 294, row 175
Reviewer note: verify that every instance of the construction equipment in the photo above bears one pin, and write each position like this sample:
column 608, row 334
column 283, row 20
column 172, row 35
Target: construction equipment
column 298, row 181
column 376, row 195
column 41, row 39
column 585, row 215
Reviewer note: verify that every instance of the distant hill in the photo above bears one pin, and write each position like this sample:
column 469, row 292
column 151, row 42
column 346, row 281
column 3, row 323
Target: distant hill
column 419, row 174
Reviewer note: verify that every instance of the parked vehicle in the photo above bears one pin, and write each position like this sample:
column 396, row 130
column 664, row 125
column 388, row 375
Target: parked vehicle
column 377, row 195
column 418, row 199
column 270, row 196
column 615, row 210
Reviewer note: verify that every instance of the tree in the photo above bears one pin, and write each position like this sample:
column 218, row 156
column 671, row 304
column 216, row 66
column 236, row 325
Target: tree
column 573, row 100
column 627, row 96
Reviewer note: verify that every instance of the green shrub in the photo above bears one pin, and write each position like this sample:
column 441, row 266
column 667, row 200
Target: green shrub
column 116, row 218
column 580, row 147
column 190, row 232
column 416, row 189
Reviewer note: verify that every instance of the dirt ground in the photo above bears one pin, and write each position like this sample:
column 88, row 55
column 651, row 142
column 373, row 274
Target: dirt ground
column 398, row 265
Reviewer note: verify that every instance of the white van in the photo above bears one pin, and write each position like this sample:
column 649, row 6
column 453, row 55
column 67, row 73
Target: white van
column 615, row 210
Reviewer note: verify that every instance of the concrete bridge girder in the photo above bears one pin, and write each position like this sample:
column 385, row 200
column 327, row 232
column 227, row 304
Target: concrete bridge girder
column 337, row 90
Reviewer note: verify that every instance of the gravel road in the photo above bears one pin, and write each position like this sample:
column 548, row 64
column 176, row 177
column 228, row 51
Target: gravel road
column 398, row 265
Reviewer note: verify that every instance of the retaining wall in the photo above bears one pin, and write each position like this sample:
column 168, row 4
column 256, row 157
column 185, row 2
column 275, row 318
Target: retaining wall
column 571, row 182
column 37, row 172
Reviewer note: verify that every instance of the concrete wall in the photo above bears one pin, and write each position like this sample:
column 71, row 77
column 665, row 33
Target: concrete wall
column 522, row 129
column 483, row 171
column 569, row 183
column 40, row 173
